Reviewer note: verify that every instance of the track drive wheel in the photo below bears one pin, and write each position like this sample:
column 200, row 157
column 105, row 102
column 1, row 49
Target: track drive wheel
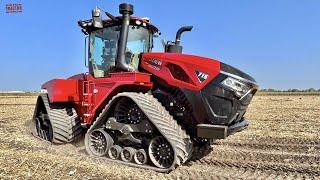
column 98, row 142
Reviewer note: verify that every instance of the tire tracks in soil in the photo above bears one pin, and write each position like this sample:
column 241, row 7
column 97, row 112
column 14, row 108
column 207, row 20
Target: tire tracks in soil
column 277, row 158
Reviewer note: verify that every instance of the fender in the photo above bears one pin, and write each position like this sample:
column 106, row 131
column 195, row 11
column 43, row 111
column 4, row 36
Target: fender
column 71, row 90
column 62, row 90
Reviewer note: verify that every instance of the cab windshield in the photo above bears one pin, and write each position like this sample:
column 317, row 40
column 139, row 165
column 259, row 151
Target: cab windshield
column 103, row 46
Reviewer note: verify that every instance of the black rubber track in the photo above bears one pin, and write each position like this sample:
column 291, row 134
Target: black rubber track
column 162, row 120
column 64, row 121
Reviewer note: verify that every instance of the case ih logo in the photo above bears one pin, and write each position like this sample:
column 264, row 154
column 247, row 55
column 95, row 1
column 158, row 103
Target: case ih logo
column 13, row 8
column 155, row 64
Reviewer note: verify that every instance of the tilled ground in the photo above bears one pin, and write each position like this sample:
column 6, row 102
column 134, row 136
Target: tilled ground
column 282, row 142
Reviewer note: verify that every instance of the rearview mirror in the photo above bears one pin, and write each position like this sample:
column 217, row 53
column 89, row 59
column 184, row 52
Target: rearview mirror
column 164, row 43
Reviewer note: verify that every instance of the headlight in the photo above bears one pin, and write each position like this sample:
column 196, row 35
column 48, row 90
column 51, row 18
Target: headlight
column 235, row 85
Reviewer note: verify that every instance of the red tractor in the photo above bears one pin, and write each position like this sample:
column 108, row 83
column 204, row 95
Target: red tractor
column 139, row 107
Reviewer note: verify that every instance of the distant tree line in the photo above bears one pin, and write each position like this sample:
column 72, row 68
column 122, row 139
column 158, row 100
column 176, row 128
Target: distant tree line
column 291, row 90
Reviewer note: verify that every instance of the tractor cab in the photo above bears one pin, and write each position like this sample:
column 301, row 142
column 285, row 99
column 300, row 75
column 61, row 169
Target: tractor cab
column 103, row 45
column 116, row 44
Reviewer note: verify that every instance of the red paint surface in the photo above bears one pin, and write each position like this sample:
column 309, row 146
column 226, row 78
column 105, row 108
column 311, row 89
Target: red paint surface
column 90, row 95
column 189, row 63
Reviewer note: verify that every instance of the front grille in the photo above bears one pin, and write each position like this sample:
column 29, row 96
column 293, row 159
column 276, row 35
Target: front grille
column 220, row 106
column 223, row 106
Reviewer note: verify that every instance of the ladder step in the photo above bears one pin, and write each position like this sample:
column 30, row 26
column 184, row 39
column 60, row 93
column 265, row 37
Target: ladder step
column 87, row 115
column 87, row 94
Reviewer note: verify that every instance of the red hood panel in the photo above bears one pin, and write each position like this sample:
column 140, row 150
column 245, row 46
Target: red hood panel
column 189, row 63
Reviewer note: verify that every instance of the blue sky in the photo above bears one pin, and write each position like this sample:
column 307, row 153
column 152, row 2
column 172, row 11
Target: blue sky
column 277, row 42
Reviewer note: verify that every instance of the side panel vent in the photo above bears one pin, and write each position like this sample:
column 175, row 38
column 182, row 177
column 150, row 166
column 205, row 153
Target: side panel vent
column 178, row 73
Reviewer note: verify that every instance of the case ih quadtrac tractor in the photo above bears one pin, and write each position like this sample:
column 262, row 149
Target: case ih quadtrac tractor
column 142, row 108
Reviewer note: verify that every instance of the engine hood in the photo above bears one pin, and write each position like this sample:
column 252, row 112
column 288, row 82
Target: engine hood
column 202, row 63
column 199, row 71
column 223, row 67
column 199, row 60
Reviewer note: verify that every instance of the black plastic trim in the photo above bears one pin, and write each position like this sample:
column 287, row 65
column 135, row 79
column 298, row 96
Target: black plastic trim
column 232, row 70
column 217, row 105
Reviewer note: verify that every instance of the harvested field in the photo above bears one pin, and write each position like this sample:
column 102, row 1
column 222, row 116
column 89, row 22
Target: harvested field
column 282, row 142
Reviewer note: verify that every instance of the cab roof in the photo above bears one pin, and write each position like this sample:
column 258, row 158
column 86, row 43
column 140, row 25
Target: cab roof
column 133, row 20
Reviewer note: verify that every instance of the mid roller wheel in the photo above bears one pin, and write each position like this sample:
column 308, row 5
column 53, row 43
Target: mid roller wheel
column 127, row 154
column 140, row 157
column 114, row 151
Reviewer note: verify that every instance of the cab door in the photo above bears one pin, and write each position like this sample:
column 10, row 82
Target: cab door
column 103, row 52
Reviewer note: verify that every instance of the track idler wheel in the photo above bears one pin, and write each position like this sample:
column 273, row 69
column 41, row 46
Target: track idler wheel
column 161, row 153
column 127, row 154
column 140, row 157
column 114, row 151
column 98, row 142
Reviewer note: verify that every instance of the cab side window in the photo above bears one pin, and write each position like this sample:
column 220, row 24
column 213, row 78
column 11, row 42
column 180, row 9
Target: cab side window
column 103, row 51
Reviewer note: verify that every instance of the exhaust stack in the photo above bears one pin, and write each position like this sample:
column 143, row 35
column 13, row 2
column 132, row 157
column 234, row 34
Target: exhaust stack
column 180, row 31
column 126, row 10
column 175, row 47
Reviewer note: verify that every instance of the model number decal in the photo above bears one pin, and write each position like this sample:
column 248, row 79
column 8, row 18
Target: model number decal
column 202, row 76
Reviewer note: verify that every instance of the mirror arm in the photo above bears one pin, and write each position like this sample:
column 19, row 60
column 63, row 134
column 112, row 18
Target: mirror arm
column 85, row 51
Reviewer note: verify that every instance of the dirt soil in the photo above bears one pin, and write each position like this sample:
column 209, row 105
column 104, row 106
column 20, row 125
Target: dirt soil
column 282, row 142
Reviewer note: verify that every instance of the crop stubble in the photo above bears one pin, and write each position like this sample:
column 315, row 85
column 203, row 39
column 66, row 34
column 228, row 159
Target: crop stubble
column 281, row 142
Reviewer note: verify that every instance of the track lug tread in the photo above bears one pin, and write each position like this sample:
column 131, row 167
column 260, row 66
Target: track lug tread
column 66, row 128
column 160, row 117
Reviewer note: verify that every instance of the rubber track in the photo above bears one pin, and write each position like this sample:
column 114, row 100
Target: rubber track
column 65, row 128
column 162, row 120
